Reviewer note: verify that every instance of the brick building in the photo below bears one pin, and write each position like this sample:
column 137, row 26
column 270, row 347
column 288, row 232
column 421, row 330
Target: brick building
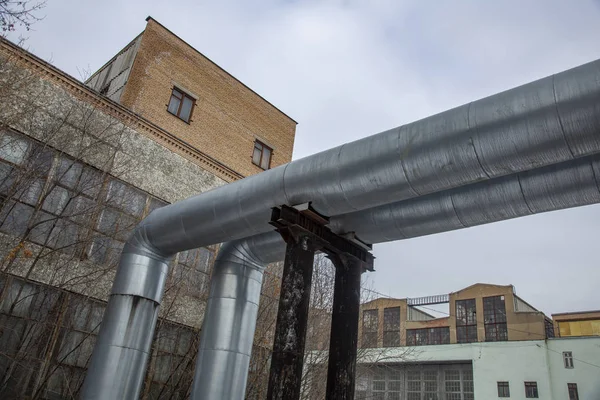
column 163, row 79
column 80, row 166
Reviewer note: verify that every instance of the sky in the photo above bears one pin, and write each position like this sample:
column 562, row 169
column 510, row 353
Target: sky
column 347, row 69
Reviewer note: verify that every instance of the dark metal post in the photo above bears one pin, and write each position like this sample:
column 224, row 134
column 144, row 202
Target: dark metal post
column 285, row 377
column 343, row 341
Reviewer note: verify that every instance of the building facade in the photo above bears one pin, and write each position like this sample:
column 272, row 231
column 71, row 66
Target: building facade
column 79, row 168
column 163, row 79
column 478, row 313
column 491, row 345
column 552, row 369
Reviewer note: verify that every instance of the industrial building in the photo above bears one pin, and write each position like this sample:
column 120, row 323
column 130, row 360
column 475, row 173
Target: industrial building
column 81, row 164
column 82, row 170
column 491, row 344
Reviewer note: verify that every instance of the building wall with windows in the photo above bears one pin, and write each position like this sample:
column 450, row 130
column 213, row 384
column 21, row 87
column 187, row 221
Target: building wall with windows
column 212, row 111
column 478, row 313
column 521, row 323
column 77, row 173
column 484, row 367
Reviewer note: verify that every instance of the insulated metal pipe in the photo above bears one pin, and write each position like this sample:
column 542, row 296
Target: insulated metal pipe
column 120, row 357
column 570, row 184
column 425, row 169
column 230, row 319
column 546, row 122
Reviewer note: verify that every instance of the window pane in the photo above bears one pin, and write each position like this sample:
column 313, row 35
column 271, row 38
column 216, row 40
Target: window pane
column 503, row 389
column 68, row 172
column 391, row 319
column 573, row 393
column 494, row 317
column 65, row 236
column 126, row 198
column 75, row 176
column 266, row 159
column 13, row 149
column 186, row 109
column 16, row 219
column 391, row 339
column 256, row 156
column 7, row 177
column 105, row 250
column 32, row 192
column 40, row 160
column 114, row 223
column 174, row 104
column 531, row 391
column 80, row 209
column 41, row 228
column 57, row 200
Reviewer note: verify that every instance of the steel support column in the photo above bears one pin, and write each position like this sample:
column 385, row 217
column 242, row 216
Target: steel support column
column 285, row 377
column 343, row 341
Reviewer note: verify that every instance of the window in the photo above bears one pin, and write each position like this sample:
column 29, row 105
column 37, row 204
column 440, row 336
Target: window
column 428, row 336
column 190, row 274
column 466, row 321
column 391, row 327
column 378, row 384
column 573, row 394
column 181, row 105
column 549, row 326
column 503, row 389
column 370, row 323
column 568, row 359
column 452, row 384
column 531, row 390
column 261, row 156
column 494, row 318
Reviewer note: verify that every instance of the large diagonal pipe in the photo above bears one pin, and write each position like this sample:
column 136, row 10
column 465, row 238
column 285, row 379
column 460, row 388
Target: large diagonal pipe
column 548, row 122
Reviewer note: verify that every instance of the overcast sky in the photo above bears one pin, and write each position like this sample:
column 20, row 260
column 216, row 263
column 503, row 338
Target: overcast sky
column 349, row 69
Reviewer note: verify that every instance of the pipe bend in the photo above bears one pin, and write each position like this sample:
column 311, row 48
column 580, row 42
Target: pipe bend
column 230, row 319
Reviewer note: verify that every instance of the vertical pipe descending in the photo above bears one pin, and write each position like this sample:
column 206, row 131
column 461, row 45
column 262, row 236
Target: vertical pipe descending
column 343, row 342
column 285, row 377
column 120, row 358
column 230, row 320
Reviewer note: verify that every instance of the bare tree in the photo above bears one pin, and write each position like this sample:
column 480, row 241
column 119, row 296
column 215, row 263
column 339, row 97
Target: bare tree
column 65, row 213
column 19, row 13
column 317, row 336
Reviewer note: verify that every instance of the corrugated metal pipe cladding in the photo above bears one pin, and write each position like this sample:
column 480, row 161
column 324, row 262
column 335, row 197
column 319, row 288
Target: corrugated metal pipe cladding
column 527, row 150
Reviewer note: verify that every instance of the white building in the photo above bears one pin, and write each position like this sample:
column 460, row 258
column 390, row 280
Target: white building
column 544, row 369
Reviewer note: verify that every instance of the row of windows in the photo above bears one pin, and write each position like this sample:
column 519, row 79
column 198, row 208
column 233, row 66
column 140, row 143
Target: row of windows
column 391, row 382
column 62, row 204
column 531, row 390
column 38, row 321
column 182, row 105
column 494, row 320
column 428, row 336
column 495, row 325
